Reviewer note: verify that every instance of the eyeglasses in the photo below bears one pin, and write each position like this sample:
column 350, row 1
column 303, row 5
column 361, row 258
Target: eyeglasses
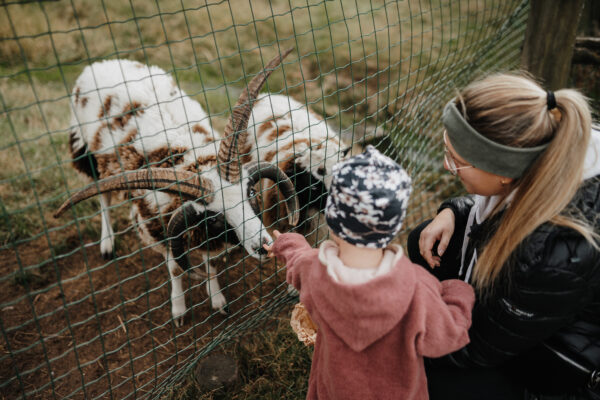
column 450, row 161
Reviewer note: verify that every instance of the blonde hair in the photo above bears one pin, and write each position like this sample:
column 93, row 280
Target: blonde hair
column 512, row 109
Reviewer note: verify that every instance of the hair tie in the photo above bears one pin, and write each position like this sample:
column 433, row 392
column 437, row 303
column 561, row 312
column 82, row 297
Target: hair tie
column 550, row 100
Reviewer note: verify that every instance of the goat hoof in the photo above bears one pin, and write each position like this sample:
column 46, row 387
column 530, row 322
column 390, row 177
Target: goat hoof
column 178, row 320
column 225, row 310
column 177, row 312
column 109, row 255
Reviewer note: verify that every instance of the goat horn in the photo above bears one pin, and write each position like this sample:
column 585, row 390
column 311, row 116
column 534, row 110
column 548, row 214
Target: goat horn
column 235, row 131
column 258, row 170
column 186, row 183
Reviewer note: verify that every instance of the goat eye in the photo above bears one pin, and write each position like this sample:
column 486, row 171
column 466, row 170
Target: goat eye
column 251, row 192
column 321, row 171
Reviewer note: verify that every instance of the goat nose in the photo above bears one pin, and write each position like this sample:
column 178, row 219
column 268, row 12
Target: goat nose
column 262, row 250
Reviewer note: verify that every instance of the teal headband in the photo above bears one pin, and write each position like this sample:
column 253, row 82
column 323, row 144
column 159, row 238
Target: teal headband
column 484, row 153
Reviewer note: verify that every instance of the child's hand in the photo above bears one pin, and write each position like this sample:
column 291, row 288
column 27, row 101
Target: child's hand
column 269, row 247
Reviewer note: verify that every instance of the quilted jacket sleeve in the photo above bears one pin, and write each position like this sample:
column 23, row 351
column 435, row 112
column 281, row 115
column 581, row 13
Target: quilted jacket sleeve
column 460, row 206
column 551, row 283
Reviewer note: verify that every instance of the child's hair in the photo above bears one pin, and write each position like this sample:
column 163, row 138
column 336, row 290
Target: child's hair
column 512, row 109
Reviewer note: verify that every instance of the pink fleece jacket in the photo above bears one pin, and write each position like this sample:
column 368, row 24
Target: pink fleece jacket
column 372, row 337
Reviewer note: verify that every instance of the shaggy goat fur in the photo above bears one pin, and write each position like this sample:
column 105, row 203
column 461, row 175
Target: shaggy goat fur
column 285, row 132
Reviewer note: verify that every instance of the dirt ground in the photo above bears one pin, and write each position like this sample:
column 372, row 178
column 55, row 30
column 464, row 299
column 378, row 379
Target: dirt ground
column 79, row 326
column 89, row 328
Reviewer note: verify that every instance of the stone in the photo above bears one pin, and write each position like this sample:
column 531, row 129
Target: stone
column 215, row 371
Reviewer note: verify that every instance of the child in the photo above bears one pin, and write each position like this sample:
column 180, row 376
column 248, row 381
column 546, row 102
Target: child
column 377, row 314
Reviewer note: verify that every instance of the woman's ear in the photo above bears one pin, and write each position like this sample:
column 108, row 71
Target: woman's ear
column 506, row 184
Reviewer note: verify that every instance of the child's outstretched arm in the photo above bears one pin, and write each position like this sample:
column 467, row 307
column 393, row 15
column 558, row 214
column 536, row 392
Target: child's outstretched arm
column 289, row 248
column 447, row 318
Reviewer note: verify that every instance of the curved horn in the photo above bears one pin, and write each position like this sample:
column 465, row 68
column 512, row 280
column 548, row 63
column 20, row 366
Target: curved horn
column 258, row 170
column 186, row 183
column 183, row 218
column 235, row 132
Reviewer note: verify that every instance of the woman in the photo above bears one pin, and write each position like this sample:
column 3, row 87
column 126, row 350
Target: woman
column 526, row 239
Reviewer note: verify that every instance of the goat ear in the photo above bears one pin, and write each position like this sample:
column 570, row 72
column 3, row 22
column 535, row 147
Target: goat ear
column 257, row 170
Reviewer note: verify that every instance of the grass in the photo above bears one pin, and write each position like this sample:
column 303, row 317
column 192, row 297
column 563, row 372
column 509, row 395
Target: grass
column 272, row 364
column 337, row 63
column 359, row 64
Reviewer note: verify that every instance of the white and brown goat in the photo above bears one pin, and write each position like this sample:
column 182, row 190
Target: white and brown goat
column 137, row 132
column 285, row 132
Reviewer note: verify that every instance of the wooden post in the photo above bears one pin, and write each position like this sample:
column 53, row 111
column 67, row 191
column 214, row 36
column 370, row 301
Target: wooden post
column 550, row 39
column 587, row 43
column 589, row 24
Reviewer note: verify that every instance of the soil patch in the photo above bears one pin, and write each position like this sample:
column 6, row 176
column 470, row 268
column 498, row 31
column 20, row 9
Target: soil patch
column 76, row 325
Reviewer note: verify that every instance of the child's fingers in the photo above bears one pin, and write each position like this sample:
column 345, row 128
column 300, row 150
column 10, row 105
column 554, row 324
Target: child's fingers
column 269, row 249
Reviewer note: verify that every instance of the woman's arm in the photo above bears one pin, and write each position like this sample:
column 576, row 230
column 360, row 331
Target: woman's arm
column 550, row 285
column 460, row 206
column 452, row 217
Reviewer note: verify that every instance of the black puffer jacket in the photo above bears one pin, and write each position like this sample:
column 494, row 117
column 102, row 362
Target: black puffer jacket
column 549, row 289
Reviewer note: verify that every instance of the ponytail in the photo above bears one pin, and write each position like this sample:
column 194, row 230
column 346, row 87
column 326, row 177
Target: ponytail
column 513, row 110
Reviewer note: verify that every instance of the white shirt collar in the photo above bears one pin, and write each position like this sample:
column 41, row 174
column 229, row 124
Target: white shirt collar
column 591, row 165
column 329, row 257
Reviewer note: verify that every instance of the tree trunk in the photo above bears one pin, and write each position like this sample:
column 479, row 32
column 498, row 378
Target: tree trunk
column 589, row 24
column 550, row 39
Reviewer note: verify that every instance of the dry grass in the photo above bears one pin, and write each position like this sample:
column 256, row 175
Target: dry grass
column 338, row 58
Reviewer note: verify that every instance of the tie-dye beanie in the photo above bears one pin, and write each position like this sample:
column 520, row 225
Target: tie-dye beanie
column 367, row 199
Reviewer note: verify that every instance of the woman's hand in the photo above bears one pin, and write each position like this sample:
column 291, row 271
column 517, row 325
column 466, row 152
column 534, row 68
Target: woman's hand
column 440, row 228
column 269, row 247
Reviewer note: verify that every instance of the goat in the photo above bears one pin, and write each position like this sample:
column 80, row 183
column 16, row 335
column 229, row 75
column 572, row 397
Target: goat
column 283, row 131
column 149, row 150
column 301, row 143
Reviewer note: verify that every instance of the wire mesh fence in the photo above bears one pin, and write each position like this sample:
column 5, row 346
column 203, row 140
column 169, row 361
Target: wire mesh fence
column 86, row 307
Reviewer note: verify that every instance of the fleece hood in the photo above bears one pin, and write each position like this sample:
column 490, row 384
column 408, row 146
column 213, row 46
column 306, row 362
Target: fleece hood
column 360, row 315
